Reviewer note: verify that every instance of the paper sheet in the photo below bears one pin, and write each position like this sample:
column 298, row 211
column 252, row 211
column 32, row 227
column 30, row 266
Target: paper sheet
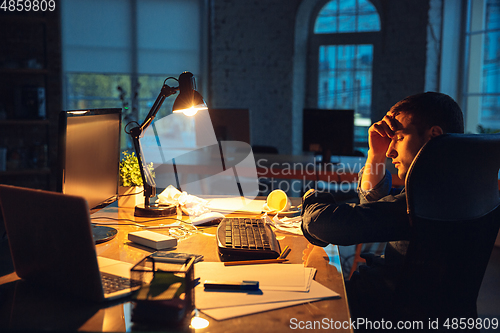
column 236, row 205
column 281, row 285
column 270, row 300
column 289, row 277
column 268, row 275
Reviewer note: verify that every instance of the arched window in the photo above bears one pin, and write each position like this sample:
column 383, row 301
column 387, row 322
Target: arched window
column 347, row 16
column 342, row 44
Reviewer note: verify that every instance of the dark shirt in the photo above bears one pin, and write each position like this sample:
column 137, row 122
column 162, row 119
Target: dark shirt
column 377, row 218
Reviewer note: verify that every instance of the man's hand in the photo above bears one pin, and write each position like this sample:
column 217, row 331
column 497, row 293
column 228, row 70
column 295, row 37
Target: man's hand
column 380, row 135
column 310, row 191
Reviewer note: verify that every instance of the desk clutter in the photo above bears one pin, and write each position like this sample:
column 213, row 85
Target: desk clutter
column 280, row 285
column 173, row 285
column 253, row 277
column 152, row 239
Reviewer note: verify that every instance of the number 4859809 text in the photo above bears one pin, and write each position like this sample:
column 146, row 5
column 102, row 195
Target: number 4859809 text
column 28, row 5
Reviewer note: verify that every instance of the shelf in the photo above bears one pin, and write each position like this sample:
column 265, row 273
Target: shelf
column 24, row 122
column 29, row 71
column 17, row 18
column 26, row 172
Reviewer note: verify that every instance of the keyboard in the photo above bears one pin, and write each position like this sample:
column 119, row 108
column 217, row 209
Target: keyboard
column 247, row 238
column 113, row 283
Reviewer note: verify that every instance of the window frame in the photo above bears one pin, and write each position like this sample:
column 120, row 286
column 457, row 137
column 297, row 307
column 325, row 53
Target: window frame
column 472, row 71
column 316, row 40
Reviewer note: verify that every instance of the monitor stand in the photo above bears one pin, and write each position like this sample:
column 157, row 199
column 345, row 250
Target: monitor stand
column 103, row 234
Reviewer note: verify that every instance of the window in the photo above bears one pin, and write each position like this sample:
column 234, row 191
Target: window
column 482, row 74
column 118, row 53
column 342, row 45
column 347, row 16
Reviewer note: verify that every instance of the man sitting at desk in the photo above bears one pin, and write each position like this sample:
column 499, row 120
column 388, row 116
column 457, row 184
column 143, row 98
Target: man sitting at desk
column 381, row 217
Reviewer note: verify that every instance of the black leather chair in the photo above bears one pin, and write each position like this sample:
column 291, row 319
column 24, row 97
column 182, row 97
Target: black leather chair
column 454, row 208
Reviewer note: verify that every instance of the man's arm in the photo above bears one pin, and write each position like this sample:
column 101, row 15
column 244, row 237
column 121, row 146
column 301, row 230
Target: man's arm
column 377, row 192
column 324, row 222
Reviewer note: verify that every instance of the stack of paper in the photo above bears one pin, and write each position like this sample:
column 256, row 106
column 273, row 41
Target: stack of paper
column 236, row 205
column 281, row 285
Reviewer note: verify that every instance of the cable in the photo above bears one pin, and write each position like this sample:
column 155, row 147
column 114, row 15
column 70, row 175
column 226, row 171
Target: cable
column 134, row 222
column 140, row 225
column 126, row 126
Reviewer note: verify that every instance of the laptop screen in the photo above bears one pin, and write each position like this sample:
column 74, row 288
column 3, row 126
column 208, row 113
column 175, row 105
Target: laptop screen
column 89, row 154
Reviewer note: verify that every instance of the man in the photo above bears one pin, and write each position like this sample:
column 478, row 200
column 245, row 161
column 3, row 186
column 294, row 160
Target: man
column 381, row 217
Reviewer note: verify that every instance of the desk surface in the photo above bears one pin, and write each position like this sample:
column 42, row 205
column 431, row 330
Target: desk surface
column 24, row 306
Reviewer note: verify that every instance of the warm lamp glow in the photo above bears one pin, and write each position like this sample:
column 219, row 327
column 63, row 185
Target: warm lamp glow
column 192, row 110
column 188, row 102
column 198, row 323
column 78, row 111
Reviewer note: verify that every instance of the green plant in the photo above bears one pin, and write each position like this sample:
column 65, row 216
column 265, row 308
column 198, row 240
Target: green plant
column 485, row 130
column 130, row 174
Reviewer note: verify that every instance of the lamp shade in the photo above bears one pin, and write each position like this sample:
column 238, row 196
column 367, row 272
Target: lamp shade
column 189, row 100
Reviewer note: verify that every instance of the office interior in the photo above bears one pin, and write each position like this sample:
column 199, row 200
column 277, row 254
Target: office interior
column 263, row 57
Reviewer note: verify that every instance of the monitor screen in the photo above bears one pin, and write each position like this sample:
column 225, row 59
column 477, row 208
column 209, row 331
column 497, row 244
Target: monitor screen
column 89, row 154
column 329, row 132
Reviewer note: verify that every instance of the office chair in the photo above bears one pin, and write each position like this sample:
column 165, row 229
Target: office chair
column 454, row 208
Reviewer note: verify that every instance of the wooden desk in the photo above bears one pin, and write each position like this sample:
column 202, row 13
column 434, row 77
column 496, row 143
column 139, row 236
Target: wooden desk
column 24, row 306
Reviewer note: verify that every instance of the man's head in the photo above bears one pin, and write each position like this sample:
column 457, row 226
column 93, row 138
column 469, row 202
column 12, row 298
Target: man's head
column 419, row 118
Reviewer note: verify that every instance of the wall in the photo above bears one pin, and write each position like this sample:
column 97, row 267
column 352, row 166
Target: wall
column 251, row 61
column 251, row 64
column 400, row 68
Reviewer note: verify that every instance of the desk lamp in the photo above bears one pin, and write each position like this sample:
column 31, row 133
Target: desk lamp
column 189, row 102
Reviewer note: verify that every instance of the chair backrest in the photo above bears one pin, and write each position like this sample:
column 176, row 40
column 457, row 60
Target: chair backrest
column 454, row 208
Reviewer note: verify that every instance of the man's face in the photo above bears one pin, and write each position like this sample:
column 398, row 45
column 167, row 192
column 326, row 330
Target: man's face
column 405, row 144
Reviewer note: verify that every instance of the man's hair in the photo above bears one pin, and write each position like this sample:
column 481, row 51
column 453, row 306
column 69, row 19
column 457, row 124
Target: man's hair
column 430, row 109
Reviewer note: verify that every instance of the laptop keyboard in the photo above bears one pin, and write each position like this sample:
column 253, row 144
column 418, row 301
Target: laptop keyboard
column 113, row 283
column 247, row 237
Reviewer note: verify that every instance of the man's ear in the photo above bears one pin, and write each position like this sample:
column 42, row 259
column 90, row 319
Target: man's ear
column 436, row 131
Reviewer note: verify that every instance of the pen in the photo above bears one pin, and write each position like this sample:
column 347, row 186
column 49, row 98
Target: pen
column 254, row 262
column 285, row 254
column 282, row 254
column 227, row 285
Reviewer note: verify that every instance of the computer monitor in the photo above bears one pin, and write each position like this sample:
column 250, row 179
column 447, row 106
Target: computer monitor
column 89, row 154
column 230, row 124
column 328, row 132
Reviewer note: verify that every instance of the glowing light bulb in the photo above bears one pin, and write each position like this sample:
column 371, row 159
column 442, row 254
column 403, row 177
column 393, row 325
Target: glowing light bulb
column 192, row 110
column 199, row 323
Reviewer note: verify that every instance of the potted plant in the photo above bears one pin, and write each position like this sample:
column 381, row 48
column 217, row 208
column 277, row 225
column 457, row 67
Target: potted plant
column 131, row 189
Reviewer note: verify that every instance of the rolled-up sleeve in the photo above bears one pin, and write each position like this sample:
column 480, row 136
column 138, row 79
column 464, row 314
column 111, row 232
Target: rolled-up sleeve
column 379, row 191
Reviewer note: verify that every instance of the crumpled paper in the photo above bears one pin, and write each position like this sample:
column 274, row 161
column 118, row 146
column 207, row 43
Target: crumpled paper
column 291, row 225
column 190, row 204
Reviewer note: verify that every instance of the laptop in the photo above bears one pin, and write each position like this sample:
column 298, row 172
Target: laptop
column 51, row 244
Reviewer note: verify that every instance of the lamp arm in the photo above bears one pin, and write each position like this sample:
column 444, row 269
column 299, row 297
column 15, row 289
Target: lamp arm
column 138, row 132
column 147, row 178
column 165, row 92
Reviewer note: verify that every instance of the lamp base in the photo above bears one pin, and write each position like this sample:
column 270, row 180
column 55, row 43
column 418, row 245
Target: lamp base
column 156, row 210
column 103, row 234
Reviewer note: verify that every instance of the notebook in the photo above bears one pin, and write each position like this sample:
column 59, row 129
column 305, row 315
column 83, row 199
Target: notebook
column 51, row 244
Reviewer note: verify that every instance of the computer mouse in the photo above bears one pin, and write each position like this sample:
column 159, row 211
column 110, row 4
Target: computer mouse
column 208, row 218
